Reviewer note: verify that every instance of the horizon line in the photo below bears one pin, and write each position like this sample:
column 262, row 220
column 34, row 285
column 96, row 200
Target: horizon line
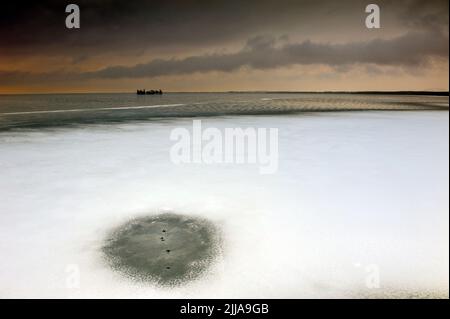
column 398, row 92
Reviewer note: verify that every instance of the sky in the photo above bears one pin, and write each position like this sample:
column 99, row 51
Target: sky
column 233, row 45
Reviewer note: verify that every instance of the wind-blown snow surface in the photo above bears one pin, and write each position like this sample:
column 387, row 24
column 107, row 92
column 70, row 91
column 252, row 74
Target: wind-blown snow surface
column 356, row 195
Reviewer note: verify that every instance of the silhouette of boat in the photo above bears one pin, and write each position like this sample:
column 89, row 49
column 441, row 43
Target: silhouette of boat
column 151, row 92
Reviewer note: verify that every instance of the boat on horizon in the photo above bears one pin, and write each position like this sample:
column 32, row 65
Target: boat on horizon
column 151, row 92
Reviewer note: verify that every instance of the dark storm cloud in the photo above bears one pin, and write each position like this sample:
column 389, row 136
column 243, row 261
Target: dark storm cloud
column 38, row 26
column 410, row 50
column 424, row 14
column 127, row 24
column 29, row 29
column 263, row 53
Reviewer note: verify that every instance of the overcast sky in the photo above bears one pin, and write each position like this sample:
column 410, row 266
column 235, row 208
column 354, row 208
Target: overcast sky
column 207, row 45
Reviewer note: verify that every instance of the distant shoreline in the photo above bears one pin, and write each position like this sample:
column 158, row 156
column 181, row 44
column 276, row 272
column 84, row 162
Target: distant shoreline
column 426, row 93
column 434, row 93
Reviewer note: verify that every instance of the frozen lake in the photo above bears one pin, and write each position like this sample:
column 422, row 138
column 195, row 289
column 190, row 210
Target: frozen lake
column 358, row 207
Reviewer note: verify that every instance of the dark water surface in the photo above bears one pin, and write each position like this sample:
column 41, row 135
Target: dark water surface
column 48, row 110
